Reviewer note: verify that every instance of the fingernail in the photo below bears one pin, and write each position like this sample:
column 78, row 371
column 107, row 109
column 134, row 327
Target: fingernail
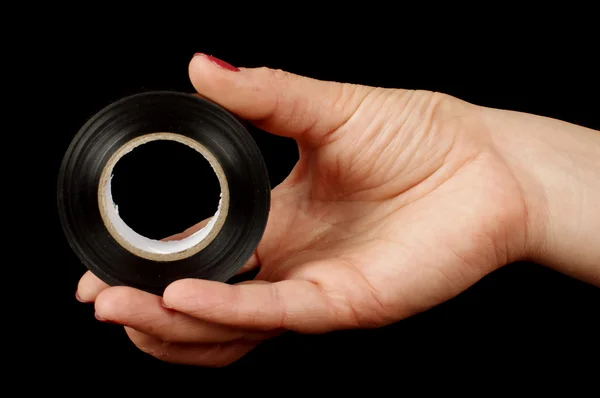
column 162, row 302
column 218, row 62
column 78, row 297
column 105, row 320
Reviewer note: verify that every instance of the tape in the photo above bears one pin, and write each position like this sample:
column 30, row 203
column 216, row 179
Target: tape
column 120, row 256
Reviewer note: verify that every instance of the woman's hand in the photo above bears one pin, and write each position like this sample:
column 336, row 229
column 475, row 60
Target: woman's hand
column 400, row 200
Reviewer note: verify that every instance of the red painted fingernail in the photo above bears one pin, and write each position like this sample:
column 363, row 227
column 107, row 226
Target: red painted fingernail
column 219, row 63
column 105, row 320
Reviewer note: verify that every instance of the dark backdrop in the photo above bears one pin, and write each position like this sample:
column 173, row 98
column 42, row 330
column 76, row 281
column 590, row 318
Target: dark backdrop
column 521, row 315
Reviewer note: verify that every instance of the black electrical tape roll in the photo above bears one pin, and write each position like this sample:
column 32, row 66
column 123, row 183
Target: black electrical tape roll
column 195, row 121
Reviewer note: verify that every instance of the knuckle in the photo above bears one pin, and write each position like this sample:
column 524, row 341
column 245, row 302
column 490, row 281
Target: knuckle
column 162, row 351
column 341, row 98
column 152, row 346
column 273, row 75
column 159, row 350
column 263, row 73
column 272, row 83
column 144, row 346
column 433, row 108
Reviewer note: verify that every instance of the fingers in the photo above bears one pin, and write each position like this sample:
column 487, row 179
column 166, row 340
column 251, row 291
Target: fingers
column 144, row 312
column 277, row 101
column 208, row 355
column 188, row 232
column 250, row 264
column 89, row 287
column 296, row 305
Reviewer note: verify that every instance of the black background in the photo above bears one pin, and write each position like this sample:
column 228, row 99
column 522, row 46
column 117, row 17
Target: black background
column 522, row 317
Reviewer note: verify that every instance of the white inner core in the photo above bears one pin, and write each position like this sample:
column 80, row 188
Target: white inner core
column 151, row 245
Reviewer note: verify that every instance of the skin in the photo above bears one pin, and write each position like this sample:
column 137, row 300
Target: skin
column 400, row 201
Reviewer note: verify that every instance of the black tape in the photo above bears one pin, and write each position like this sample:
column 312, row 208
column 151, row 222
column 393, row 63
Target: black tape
column 191, row 116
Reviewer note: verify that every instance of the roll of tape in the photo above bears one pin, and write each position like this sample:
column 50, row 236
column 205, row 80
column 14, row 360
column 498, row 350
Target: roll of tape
column 118, row 255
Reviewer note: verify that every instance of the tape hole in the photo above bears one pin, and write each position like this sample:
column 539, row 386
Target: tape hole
column 164, row 187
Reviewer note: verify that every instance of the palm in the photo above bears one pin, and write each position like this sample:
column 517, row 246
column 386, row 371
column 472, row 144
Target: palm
column 427, row 229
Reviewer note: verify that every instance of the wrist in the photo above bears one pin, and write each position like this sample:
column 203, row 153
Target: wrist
column 557, row 166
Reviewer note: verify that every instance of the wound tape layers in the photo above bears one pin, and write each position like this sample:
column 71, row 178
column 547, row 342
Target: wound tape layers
column 115, row 253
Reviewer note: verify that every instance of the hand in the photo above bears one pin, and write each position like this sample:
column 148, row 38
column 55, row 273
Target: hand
column 400, row 200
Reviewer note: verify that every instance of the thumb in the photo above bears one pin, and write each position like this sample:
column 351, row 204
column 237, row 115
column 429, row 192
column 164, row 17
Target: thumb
column 276, row 101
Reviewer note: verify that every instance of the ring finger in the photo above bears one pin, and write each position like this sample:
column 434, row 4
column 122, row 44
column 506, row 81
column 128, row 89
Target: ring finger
column 208, row 355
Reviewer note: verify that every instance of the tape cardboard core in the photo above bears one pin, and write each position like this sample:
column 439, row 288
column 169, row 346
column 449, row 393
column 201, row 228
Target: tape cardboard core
column 152, row 249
